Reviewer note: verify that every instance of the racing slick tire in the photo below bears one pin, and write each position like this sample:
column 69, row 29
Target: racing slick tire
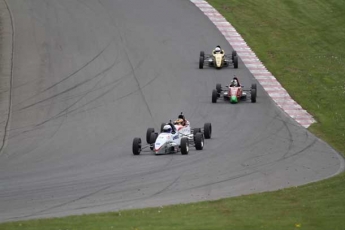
column 153, row 139
column 201, row 61
column 207, row 130
column 253, row 95
column 148, row 135
column 136, row 146
column 196, row 130
column 199, row 141
column 236, row 62
column 214, row 96
column 254, row 87
column 184, row 146
column 219, row 88
column 233, row 54
column 162, row 126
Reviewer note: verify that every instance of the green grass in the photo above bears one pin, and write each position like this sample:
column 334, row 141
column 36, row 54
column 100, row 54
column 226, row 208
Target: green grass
column 302, row 42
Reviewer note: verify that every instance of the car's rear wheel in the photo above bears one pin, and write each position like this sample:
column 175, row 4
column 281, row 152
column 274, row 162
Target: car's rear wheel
column 236, row 62
column 153, row 139
column 219, row 88
column 136, row 146
column 214, row 96
column 253, row 95
column 162, row 126
column 148, row 134
column 207, row 130
column 199, row 141
column 184, row 145
column 233, row 54
column 254, row 87
column 196, row 130
column 201, row 61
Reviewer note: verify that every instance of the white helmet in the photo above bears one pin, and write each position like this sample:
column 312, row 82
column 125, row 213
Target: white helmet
column 234, row 82
column 167, row 129
column 217, row 49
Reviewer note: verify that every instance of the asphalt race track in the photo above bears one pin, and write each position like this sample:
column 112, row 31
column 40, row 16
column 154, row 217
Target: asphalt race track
column 91, row 75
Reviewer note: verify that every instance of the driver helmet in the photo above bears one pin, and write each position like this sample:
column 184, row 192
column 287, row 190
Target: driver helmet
column 217, row 49
column 167, row 129
column 179, row 121
column 235, row 82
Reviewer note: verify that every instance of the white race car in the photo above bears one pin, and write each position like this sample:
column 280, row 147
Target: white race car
column 173, row 138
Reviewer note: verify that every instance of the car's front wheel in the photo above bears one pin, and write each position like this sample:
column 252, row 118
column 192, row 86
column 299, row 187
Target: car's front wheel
column 233, row 55
column 236, row 62
column 201, row 62
column 207, row 130
column 214, row 96
column 153, row 139
column 184, row 146
column 199, row 141
column 148, row 135
column 253, row 95
column 219, row 88
column 136, row 146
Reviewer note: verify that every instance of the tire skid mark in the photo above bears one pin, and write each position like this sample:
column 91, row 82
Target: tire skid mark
column 8, row 118
column 113, row 101
column 64, row 113
column 98, row 97
column 72, row 74
column 60, row 114
column 255, row 169
column 167, row 187
column 69, row 89
column 108, row 186
column 68, row 202
column 123, row 40
column 290, row 139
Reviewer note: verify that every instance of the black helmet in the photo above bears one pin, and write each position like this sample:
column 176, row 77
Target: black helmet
column 181, row 116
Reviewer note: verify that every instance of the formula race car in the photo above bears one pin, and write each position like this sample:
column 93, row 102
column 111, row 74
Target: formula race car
column 218, row 59
column 234, row 92
column 173, row 138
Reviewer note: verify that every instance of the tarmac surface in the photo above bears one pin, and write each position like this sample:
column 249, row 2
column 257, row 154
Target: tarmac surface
column 89, row 76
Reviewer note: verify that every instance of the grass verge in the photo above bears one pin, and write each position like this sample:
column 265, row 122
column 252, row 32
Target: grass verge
column 301, row 43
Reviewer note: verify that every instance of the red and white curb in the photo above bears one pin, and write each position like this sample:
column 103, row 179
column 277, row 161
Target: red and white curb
column 274, row 89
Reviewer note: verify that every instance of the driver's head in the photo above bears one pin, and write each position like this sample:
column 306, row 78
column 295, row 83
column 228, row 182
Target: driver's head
column 167, row 129
column 181, row 116
column 179, row 121
column 217, row 49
